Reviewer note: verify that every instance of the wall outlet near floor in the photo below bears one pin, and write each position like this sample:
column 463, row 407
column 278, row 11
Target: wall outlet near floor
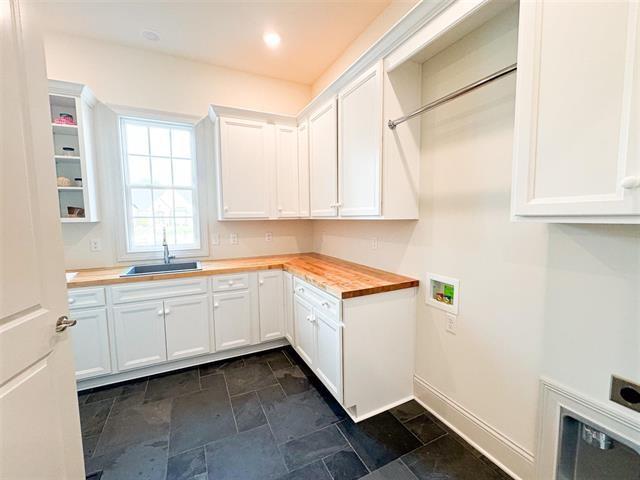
column 374, row 243
column 215, row 239
column 95, row 245
column 268, row 237
column 451, row 320
column 233, row 238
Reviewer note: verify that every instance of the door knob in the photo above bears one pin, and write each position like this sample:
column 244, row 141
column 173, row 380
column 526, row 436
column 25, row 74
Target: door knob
column 630, row 182
column 63, row 323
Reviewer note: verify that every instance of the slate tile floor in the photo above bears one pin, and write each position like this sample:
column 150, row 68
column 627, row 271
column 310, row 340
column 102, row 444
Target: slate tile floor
column 261, row 417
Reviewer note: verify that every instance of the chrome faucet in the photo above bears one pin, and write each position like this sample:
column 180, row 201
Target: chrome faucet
column 165, row 246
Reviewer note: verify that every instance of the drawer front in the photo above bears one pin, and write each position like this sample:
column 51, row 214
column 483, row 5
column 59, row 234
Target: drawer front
column 324, row 302
column 231, row 282
column 86, row 298
column 140, row 291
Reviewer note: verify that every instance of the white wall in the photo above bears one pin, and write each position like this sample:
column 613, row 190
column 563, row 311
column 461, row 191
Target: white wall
column 137, row 78
column 536, row 299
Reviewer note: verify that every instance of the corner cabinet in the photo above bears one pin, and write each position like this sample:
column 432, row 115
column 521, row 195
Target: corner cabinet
column 577, row 130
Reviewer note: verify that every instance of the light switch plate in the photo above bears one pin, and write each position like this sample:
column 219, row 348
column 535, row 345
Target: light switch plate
column 215, row 239
column 268, row 237
column 233, row 238
column 95, row 245
column 451, row 322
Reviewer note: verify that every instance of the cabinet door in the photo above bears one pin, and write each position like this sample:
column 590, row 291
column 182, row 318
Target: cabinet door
column 287, row 171
column 187, row 323
column 360, row 145
column 328, row 358
column 90, row 338
column 232, row 319
column 304, row 330
column 577, row 149
column 288, row 308
column 303, row 168
column 271, row 297
column 140, row 337
column 246, row 163
column 323, row 161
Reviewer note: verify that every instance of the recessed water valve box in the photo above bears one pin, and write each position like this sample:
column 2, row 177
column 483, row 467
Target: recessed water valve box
column 443, row 292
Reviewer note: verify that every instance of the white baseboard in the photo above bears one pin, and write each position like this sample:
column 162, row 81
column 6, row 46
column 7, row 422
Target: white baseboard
column 496, row 446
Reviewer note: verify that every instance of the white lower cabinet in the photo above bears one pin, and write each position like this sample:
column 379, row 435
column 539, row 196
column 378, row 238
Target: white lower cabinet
column 140, row 334
column 328, row 364
column 90, row 338
column 305, row 331
column 271, row 298
column 187, row 324
column 232, row 319
column 288, row 307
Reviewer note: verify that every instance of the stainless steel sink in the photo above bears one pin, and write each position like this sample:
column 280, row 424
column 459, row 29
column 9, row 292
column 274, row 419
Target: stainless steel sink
column 137, row 270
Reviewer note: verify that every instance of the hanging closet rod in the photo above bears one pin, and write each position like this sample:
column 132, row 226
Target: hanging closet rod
column 425, row 108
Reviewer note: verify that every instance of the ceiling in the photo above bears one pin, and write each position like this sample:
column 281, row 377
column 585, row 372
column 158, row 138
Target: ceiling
column 227, row 33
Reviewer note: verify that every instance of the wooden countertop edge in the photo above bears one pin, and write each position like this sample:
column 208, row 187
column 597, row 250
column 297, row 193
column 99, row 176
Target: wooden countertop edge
column 280, row 262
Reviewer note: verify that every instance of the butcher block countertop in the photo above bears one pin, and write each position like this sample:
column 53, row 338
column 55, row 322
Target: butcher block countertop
column 338, row 277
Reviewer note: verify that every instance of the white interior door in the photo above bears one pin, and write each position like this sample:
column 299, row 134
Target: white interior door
column 360, row 145
column 39, row 422
column 323, row 160
column 287, row 171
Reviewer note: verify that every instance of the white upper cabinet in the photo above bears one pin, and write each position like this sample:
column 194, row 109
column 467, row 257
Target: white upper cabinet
column 303, row 168
column 287, row 196
column 271, row 300
column 246, row 163
column 577, row 131
column 323, row 160
column 360, row 145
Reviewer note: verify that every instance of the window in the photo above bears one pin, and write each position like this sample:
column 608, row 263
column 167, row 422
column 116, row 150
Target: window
column 160, row 185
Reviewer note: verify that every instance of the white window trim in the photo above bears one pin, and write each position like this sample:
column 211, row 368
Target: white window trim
column 123, row 252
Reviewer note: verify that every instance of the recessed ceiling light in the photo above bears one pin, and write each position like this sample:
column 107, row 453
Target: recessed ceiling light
column 272, row 39
column 150, row 35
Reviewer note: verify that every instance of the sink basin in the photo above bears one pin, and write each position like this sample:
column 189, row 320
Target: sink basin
column 136, row 270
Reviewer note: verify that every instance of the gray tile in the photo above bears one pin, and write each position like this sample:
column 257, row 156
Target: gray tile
column 248, row 411
column 93, row 416
column 82, row 396
column 120, row 390
column 172, row 385
column 135, row 425
column 249, row 378
column 89, row 445
column 292, row 380
column 295, row 415
column 251, row 455
column 407, row 410
column 395, row 470
column 379, row 440
column 201, row 417
column 141, row 461
column 187, row 465
column 274, row 358
column 446, row 458
column 122, row 404
column 220, row 366
column 425, row 428
column 345, row 465
column 312, row 447
column 313, row 471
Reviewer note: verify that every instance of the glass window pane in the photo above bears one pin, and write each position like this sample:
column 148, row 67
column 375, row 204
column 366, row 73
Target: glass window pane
column 181, row 143
column 163, row 203
column 168, row 223
column 161, row 171
column 182, row 172
column 184, row 203
column 160, row 141
column 137, row 139
column 184, row 231
column 141, row 204
column 139, row 171
column 142, row 232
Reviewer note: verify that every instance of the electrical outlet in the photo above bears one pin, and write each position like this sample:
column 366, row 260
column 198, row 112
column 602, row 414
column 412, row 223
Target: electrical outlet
column 374, row 243
column 451, row 323
column 215, row 239
column 233, row 238
column 268, row 237
column 95, row 245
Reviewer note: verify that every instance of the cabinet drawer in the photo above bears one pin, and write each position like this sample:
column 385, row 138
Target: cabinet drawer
column 227, row 283
column 324, row 302
column 136, row 292
column 86, row 297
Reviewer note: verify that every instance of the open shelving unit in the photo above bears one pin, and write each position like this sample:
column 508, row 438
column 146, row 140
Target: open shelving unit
column 77, row 165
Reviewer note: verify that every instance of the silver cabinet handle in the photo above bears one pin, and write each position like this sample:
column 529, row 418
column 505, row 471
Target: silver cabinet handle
column 63, row 323
column 300, row 290
column 325, row 304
